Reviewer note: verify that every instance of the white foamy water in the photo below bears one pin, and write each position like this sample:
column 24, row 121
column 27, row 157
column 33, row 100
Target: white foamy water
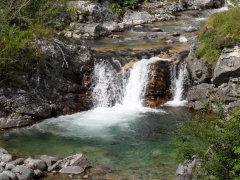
column 178, row 78
column 127, row 104
column 136, row 86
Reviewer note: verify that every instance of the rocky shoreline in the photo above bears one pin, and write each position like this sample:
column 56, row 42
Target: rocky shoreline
column 12, row 168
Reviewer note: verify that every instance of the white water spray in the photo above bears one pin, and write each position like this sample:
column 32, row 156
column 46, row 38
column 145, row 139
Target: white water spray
column 178, row 78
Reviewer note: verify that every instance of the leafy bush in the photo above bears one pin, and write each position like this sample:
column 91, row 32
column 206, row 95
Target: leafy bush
column 219, row 31
column 121, row 6
column 21, row 23
column 215, row 141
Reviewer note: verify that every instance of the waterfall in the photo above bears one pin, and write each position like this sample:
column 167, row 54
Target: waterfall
column 113, row 89
column 107, row 90
column 179, row 77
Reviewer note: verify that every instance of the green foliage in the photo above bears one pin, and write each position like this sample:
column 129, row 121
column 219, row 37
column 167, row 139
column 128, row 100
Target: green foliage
column 21, row 23
column 121, row 6
column 215, row 141
column 219, row 31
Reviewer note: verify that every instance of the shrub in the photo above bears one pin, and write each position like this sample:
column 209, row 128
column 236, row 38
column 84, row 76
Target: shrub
column 21, row 23
column 219, row 31
column 215, row 141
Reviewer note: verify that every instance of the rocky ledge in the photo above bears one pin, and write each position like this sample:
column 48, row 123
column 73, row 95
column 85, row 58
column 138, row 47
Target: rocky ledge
column 27, row 169
column 220, row 88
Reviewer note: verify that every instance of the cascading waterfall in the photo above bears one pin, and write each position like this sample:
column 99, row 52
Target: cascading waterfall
column 111, row 90
column 179, row 76
column 136, row 86
column 107, row 90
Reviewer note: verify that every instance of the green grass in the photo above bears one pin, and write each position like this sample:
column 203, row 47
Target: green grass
column 219, row 31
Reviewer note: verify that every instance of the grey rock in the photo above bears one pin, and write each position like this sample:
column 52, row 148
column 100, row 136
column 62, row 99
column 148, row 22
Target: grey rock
column 4, row 176
column 5, row 157
column 89, row 12
column 157, row 29
column 1, row 169
column 49, row 160
column 38, row 173
column 175, row 34
column 75, row 160
column 228, row 66
column 203, row 3
column 134, row 18
column 72, row 170
column 10, row 174
column 23, row 173
column 199, row 70
column 9, row 166
column 95, row 30
column 35, row 164
column 18, row 161
column 201, row 91
column 191, row 29
column 3, row 151
column 111, row 26
column 199, row 96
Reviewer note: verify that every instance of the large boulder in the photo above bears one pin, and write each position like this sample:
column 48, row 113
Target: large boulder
column 89, row 12
column 228, row 66
column 136, row 17
column 35, row 164
column 200, row 71
column 23, row 173
column 49, row 160
column 75, row 160
column 93, row 30
column 58, row 85
column 199, row 96
column 4, row 176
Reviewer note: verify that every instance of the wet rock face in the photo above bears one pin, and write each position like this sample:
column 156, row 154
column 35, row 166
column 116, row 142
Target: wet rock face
column 228, row 66
column 58, row 86
column 158, row 88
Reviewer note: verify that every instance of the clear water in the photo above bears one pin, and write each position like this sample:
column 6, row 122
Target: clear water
column 126, row 141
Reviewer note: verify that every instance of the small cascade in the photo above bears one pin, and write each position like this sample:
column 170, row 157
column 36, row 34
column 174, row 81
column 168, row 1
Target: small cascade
column 136, row 86
column 107, row 91
column 114, row 89
column 179, row 77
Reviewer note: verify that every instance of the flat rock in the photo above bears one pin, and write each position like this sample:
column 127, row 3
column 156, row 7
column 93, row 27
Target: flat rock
column 72, row 170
